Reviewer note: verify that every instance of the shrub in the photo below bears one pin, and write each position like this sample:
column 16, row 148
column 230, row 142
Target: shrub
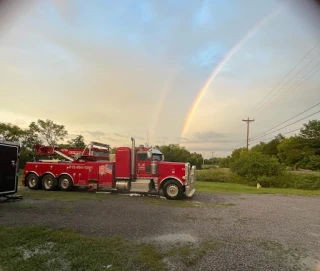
column 216, row 175
column 252, row 165
column 292, row 180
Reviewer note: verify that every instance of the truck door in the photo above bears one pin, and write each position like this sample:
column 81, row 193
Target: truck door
column 9, row 161
column 143, row 164
column 106, row 174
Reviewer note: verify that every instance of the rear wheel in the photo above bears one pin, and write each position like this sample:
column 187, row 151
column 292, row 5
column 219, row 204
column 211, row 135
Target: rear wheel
column 65, row 183
column 173, row 190
column 33, row 181
column 49, row 182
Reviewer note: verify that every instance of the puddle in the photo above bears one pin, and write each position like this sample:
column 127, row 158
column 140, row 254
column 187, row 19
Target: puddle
column 37, row 251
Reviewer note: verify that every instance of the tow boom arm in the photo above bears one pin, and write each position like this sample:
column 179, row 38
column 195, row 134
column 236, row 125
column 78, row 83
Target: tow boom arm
column 72, row 153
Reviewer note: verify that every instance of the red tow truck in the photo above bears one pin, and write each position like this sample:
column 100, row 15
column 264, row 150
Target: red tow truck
column 130, row 170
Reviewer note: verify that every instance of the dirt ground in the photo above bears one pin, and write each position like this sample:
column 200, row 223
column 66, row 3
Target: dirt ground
column 254, row 232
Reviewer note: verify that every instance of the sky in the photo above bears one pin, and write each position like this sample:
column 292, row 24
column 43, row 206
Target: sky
column 164, row 71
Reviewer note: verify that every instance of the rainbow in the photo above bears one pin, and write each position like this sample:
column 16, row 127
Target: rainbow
column 226, row 58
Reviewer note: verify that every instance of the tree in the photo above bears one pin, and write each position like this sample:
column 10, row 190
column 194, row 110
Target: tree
column 311, row 130
column 224, row 162
column 175, row 153
column 49, row 130
column 292, row 150
column 11, row 132
column 77, row 142
column 252, row 165
column 29, row 139
column 258, row 148
column 271, row 148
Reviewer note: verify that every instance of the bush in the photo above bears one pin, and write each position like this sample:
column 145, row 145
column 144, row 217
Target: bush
column 216, row 175
column 284, row 180
column 252, row 165
column 292, row 180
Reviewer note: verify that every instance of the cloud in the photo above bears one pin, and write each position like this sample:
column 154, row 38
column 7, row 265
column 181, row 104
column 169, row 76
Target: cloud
column 209, row 55
column 208, row 135
column 125, row 68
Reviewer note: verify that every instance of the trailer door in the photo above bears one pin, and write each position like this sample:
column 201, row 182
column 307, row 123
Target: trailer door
column 9, row 159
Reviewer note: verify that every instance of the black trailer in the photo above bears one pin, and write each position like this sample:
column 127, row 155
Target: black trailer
column 9, row 166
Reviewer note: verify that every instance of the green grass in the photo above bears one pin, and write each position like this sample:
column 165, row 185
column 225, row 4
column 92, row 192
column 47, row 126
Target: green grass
column 38, row 248
column 190, row 255
column 309, row 181
column 233, row 188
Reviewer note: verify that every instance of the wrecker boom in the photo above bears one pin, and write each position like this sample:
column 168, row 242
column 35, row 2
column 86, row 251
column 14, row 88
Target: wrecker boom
column 72, row 154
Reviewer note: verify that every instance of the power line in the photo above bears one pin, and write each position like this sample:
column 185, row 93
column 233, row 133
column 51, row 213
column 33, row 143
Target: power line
column 288, row 125
column 285, row 121
column 282, row 134
column 279, row 90
column 297, row 64
column 295, row 86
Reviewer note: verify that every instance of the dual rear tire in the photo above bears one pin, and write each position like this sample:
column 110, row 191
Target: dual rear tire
column 49, row 182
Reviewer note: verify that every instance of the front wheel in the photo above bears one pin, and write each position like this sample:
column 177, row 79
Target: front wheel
column 173, row 190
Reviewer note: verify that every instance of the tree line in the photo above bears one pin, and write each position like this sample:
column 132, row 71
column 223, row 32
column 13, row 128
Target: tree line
column 52, row 134
column 298, row 151
column 301, row 151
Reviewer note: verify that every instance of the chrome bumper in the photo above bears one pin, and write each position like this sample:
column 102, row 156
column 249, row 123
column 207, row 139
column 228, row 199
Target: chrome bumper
column 190, row 187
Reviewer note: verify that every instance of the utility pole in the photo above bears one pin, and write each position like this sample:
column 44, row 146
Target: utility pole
column 212, row 157
column 203, row 159
column 248, row 123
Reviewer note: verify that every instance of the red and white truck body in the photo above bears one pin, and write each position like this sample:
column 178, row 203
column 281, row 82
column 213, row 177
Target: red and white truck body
column 129, row 170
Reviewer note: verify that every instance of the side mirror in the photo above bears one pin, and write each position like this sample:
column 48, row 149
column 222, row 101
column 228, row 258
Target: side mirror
column 149, row 154
column 162, row 158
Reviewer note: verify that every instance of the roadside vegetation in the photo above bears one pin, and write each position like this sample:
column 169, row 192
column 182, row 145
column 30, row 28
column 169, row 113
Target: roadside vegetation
column 306, row 181
column 275, row 164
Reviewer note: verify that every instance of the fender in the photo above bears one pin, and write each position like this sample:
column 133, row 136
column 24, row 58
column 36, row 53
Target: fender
column 171, row 177
column 65, row 173
column 48, row 172
column 32, row 172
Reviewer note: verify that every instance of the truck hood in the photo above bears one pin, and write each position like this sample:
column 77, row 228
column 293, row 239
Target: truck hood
column 166, row 163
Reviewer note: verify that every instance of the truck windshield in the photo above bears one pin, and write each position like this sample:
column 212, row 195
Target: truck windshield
column 156, row 157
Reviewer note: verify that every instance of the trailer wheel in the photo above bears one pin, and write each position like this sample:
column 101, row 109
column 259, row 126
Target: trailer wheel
column 173, row 190
column 33, row 181
column 49, row 182
column 65, row 183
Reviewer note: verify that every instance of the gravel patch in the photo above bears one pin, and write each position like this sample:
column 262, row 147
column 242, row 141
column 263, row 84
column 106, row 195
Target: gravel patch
column 254, row 232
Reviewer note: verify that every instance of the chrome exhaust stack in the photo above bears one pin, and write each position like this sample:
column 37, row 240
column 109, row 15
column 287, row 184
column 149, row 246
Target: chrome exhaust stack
column 133, row 156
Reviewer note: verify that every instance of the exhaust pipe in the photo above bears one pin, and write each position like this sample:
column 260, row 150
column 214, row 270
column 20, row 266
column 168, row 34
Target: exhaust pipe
column 133, row 158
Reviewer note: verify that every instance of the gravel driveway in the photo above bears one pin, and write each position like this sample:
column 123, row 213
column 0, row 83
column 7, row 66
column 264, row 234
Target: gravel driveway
column 254, row 232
